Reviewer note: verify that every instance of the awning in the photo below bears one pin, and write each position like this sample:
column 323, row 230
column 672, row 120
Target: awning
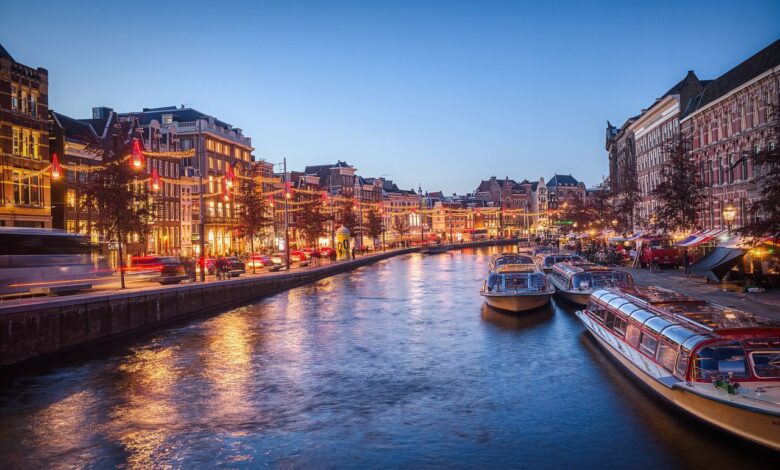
column 700, row 238
column 717, row 263
column 636, row 236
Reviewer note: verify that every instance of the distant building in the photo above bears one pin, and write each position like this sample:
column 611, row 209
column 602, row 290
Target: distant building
column 24, row 145
column 727, row 123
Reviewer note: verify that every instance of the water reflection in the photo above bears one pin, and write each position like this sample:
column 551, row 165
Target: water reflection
column 399, row 364
column 519, row 321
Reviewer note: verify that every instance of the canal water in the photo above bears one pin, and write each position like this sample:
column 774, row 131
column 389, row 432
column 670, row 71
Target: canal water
column 397, row 364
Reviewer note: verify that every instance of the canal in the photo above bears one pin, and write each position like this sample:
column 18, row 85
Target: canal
column 397, row 364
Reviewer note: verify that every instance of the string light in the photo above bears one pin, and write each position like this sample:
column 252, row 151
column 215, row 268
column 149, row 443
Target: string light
column 56, row 170
column 137, row 155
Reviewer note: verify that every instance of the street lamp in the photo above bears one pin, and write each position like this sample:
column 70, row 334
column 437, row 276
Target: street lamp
column 729, row 212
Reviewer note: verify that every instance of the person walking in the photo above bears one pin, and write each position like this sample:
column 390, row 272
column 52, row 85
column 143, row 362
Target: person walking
column 687, row 262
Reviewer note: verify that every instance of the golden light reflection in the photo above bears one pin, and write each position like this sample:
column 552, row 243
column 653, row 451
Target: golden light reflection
column 67, row 424
column 227, row 363
column 145, row 419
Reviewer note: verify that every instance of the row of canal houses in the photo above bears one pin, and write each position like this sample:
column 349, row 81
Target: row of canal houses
column 722, row 122
column 31, row 135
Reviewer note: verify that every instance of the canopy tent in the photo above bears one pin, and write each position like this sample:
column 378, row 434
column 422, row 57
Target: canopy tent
column 716, row 264
column 634, row 237
column 699, row 238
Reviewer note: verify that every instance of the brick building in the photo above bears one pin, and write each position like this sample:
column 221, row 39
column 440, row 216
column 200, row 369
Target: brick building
column 24, row 144
column 726, row 124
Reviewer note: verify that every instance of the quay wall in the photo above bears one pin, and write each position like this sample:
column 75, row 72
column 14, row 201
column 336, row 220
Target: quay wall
column 37, row 330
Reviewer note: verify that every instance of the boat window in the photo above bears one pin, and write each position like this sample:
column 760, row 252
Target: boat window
column 516, row 282
column 667, row 353
column 632, row 335
column 620, row 326
column 609, row 321
column 647, row 344
column 598, row 311
column 682, row 364
column 721, row 359
column 494, row 283
column 766, row 364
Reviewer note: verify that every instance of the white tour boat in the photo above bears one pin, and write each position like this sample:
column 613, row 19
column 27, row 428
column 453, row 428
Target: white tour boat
column 517, row 288
column 719, row 364
column 576, row 281
column 546, row 262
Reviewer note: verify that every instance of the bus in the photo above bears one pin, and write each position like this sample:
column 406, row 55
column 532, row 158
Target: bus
column 32, row 257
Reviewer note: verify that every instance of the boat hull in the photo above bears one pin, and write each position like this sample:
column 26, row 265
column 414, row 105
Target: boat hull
column 759, row 426
column 517, row 303
column 579, row 298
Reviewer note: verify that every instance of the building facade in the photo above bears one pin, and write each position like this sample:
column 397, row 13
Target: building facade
column 25, row 180
column 726, row 124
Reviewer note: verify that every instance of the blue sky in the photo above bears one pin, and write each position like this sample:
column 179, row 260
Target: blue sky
column 437, row 93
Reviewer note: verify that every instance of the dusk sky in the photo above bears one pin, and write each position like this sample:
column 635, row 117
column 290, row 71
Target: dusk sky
column 437, row 93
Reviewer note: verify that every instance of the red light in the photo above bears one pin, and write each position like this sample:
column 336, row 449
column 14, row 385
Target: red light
column 56, row 170
column 155, row 180
column 138, row 156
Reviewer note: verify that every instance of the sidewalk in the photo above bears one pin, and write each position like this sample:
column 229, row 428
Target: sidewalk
column 765, row 304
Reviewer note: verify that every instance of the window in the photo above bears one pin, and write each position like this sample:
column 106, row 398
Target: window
column 34, row 104
column 766, row 364
column 14, row 98
column 647, row 344
column 186, row 144
column 667, row 354
column 632, row 335
column 620, row 327
column 17, row 141
column 25, row 103
column 682, row 364
column 167, row 118
column 70, row 226
column 722, row 359
column 70, row 198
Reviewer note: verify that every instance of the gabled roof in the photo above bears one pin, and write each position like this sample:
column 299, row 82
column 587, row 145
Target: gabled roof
column 562, row 180
column 73, row 128
column 312, row 169
column 765, row 59
column 4, row 53
column 484, row 186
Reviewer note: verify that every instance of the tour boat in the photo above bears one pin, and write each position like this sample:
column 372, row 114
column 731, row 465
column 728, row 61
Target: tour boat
column 576, row 281
column 436, row 249
column 516, row 288
column 508, row 260
column 546, row 261
column 719, row 364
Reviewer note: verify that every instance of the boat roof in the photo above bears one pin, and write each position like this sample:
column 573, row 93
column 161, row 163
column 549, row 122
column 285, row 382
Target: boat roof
column 570, row 268
column 517, row 268
column 677, row 308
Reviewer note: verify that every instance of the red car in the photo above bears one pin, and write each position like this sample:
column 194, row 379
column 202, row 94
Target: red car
column 659, row 251
column 259, row 261
column 298, row 255
column 211, row 265
column 326, row 252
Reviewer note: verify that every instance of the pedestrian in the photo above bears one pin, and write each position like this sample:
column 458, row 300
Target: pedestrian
column 687, row 262
column 353, row 252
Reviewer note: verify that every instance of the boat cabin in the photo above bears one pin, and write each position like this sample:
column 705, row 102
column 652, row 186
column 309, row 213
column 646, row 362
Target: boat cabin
column 515, row 282
column 588, row 276
column 692, row 339
column 507, row 260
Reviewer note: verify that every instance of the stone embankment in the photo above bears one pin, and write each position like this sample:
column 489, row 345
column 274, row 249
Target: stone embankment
column 41, row 329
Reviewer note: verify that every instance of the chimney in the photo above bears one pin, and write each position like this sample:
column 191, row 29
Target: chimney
column 101, row 112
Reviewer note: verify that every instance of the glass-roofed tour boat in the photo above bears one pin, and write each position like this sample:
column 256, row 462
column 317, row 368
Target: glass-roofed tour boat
column 515, row 284
column 546, row 262
column 576, row 281
column 716, row 363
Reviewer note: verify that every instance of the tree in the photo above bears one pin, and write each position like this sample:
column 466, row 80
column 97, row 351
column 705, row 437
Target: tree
column 117, row 188
column 401, row 226
column 311, row 223
column 629, row 197
column 680, row 191
column 348, row 218
column 253, row 218
column 374, row 226
column 766, row 210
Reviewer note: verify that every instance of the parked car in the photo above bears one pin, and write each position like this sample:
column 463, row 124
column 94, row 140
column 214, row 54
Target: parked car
column 258, row 261
column 279, row 258
column 298, row 255
column 326, row 251
column 163, row 269
column 235, row 264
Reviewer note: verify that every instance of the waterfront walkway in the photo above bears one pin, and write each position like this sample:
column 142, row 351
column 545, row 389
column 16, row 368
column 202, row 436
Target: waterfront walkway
column 766, row 304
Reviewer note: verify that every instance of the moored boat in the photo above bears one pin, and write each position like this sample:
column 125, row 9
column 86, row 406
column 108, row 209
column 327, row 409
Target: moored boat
column 718, row 364
column 513, row 289
column 436, row 249
column 576, row 281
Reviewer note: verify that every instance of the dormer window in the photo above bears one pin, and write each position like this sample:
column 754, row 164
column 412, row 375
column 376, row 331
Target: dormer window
column 167, row 118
